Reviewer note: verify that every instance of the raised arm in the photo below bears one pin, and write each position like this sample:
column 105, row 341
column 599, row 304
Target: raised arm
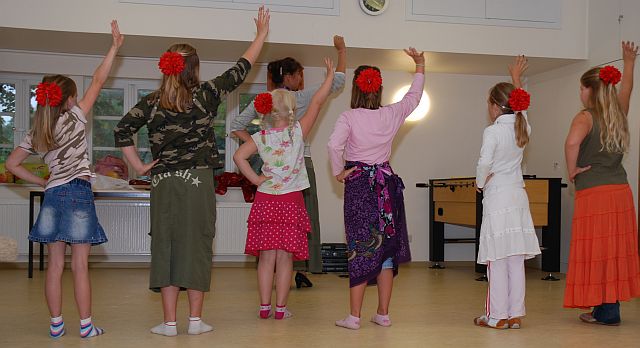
column 341, row 47
column 102, row 72
column 629, row 53
column 519, row 66
column 418, row 58
column 309, row 118
column 262, row 28
column 411, row 99
column 580, row 128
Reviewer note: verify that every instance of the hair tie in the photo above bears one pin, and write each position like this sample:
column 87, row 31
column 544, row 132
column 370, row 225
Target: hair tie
column 519, row 100
column 369, row 80
column 48, row 93
column 610, row 75
column 171, row 63
column 263, row 103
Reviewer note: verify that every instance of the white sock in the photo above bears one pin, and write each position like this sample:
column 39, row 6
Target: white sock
column 166, row 329
column 197, row 326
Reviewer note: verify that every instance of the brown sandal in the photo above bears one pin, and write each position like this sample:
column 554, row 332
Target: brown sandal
column 483, row 321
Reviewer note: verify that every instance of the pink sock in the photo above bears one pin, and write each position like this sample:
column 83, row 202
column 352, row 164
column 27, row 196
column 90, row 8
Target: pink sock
column 282, row 312
column 265, row 311
column 349, row 322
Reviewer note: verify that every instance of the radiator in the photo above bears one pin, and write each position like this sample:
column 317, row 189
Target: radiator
column 126, row 224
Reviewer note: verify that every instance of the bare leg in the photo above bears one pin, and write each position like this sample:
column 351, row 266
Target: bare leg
column 284, row 271
column 385, row 286
column 196, row 298
column 356, row 296
column 81, row 281
column 266, row 266
column 169, row 302
column 53, row 281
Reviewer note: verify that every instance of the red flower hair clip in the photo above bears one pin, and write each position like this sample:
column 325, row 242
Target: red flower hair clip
column 369, row 80
column 610, row 75
column 519, row 100
column 171, row 63
column 48, row 93
column 263, row 103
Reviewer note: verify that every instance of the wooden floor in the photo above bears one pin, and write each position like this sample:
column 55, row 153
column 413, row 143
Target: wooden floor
column 430, row 308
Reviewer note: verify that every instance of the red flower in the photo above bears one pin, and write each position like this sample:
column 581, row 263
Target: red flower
column 48, row 93
column 369, row 80
column 519, row 100
column 610, row 75
column 263, row 103
column 171, row 63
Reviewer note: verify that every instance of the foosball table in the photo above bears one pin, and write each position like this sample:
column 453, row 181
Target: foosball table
column 456, row 201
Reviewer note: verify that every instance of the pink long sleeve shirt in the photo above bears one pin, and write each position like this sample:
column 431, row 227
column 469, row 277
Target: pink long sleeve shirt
column 367, row 135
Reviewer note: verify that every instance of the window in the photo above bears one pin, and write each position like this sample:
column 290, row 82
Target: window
column 7, row 119
column 18, row 105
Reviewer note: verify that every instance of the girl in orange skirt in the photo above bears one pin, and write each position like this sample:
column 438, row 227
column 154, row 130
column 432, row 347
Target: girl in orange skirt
column 603, row 259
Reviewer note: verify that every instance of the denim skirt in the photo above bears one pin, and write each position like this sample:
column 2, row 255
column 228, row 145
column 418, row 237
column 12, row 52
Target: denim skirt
column 68, row 214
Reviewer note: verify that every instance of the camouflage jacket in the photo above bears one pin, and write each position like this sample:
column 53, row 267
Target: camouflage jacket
column 182, row 140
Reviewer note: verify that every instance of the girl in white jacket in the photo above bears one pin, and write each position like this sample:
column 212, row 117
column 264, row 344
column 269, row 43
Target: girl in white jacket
column 507, row 235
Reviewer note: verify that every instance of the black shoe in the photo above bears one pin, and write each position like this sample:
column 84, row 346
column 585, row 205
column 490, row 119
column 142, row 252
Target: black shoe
column 302, row 279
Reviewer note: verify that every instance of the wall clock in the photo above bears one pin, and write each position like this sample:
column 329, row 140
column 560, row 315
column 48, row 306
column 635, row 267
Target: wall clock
column 374, row 7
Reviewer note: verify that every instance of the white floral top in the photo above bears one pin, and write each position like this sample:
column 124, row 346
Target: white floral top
column 283, row 158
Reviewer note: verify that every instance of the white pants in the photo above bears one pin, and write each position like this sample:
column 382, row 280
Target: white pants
column 505, row 295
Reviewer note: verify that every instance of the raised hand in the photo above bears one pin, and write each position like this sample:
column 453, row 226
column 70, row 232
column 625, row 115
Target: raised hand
column 418, row 57
column 329, row 64
column 118, row 39
column 262, row 22
column 338, row 43
column 629, row 51
column 517, row 68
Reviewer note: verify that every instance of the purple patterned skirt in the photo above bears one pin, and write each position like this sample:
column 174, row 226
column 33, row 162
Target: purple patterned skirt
column 375, row 221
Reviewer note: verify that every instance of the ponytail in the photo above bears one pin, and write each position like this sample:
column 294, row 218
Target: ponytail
column 277, row 70
column 522, row 134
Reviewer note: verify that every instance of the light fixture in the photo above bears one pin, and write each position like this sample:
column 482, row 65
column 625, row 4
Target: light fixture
column 423, row 108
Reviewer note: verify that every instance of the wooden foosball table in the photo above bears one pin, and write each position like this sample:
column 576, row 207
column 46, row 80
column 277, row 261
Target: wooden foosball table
column 456, row 201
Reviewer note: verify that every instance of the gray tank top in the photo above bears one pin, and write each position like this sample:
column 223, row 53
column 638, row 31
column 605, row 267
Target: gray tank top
column 606, row 167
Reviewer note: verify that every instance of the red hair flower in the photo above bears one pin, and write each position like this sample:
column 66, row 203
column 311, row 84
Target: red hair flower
column 48, row 93
column 610, row 75
column 263, row 103
column 171, row 63
column 369, row 80
column 519, row 100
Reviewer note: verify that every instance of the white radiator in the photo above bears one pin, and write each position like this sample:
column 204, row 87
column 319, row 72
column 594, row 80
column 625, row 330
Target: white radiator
column 126, row 224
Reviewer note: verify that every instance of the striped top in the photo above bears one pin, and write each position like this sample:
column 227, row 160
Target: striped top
column 71, row 159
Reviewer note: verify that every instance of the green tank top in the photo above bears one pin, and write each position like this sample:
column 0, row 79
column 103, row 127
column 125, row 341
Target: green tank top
column 606, row 167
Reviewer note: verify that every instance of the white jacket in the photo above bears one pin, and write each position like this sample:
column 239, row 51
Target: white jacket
column 500, row 154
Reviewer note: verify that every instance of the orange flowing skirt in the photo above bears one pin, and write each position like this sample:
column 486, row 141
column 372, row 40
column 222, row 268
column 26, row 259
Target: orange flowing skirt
column 603, row 259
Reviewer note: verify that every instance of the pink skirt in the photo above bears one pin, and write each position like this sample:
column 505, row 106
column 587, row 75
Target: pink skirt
column 278, row 222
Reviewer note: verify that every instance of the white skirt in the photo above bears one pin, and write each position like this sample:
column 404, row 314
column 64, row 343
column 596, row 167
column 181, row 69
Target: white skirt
column 507, row 227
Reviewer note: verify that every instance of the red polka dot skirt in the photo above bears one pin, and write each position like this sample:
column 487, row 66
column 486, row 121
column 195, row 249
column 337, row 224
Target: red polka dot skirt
column 278, row 222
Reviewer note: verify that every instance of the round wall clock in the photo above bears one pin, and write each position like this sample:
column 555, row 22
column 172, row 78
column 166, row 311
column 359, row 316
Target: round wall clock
column 374, row 7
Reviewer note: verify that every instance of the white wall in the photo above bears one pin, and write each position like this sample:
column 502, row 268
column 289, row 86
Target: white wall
column 389, row 30
column 555, row 101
